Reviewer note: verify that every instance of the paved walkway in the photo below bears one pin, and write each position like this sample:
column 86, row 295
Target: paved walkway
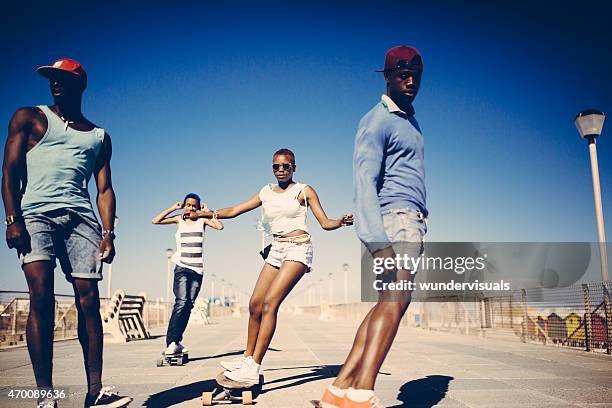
column 424, row 369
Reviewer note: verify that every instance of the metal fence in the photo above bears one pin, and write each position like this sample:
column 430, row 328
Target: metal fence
column 576, row 316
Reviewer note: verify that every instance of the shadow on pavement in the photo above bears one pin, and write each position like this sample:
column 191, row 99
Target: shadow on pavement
column 179, row 394
column 316, row 373
column 228, row 354
column 424, row 392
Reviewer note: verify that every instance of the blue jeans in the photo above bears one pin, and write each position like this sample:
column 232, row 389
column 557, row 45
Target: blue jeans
column 186, row 288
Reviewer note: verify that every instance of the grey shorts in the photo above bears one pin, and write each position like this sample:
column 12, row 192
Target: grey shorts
column 65, row 235
column 405, row 229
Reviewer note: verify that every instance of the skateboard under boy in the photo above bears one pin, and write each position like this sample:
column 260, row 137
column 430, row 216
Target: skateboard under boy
column 178, row 359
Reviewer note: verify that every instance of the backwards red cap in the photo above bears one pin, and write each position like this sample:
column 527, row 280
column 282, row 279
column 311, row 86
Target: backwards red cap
column 63, row 65
column 402, row 57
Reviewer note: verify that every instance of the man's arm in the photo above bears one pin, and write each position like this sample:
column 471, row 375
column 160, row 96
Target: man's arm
column 368, row 159
column 106, row 199
column 13, row 170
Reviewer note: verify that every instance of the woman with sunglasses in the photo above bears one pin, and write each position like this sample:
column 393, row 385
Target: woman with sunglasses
column 287, row 259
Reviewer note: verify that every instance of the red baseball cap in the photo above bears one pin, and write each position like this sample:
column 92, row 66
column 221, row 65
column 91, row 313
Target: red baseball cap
column 61, row 66
column 402, row 57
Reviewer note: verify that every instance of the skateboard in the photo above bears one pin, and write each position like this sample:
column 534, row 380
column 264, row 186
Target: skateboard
column 178, row 359
column 231, row 391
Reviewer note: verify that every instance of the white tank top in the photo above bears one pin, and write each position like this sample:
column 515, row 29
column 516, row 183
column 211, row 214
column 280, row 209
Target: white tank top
column 190, row 245
column 282, row 212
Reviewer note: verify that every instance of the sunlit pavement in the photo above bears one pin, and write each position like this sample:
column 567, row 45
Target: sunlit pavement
column 423, row 369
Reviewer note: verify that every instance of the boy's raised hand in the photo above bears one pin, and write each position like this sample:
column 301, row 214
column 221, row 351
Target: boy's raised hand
column 177, row 206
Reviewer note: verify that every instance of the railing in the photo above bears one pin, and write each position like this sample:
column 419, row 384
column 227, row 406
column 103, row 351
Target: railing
column 576, row 316
column 15, row 307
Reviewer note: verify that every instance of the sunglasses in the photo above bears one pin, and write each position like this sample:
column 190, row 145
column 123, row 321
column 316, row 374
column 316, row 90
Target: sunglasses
column 285, row 166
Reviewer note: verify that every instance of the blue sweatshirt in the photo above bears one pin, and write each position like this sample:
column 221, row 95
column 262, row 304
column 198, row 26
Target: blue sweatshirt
column 388, row 169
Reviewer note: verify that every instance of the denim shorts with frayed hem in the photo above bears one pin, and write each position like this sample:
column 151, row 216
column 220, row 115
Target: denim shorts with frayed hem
column 290, row 251
column 70, row 238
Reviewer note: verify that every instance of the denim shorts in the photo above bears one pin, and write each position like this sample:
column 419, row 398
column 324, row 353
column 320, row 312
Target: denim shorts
column 70, row 238
column 290, row 251
column 405, row 229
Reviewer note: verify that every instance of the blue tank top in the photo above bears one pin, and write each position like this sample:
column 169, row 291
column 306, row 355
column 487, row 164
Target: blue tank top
column 59, row 168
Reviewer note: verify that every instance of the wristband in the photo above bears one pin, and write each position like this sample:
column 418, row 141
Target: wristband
column 111, row 233
column 11, row 219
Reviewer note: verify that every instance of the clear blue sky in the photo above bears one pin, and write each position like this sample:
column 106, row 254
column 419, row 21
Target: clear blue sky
column 196, row 97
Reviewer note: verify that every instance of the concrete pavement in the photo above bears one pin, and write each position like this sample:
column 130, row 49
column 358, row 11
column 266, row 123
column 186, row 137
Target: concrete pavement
column 423, row 369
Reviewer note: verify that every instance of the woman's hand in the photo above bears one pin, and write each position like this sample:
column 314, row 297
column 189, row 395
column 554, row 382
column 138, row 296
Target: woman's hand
column 192, row 215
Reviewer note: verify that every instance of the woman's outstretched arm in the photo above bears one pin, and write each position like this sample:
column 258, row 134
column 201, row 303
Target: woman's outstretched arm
column 326, row 223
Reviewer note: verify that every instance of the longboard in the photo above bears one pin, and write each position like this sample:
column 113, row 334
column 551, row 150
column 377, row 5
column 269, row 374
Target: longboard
column 178, row 359
column 231, row 391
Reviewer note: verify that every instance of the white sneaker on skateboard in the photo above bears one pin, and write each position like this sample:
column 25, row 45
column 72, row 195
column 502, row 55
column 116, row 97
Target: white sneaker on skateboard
column 171, row 349
column 180, row 348
column 248, row 373
column 234, row 364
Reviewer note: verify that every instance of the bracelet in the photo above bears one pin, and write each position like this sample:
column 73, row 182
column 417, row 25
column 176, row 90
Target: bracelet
column 11, row 219
column 109, row 232
column 215, row 215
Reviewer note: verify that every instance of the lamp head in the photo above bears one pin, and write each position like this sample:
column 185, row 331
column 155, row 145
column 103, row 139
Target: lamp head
column 590, row 123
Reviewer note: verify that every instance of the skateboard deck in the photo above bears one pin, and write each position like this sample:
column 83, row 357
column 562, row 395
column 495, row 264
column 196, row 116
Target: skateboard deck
column 231, row 391
column 178, row 359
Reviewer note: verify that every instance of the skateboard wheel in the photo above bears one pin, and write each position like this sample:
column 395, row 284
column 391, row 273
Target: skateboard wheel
column 261, row 379
column 207, row 399
column 159, row 362
column 185, row 358
column 179, row 361
column 247, row 398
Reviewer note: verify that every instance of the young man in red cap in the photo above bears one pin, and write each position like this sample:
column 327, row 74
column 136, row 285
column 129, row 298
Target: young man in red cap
column 50, row 155
column 389, row 181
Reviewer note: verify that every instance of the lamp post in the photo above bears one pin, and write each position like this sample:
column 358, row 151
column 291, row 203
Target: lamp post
column 110, row 267
column 169, row 253
column 222, row 292
column 331, row 286
column 212, row 287
column 345, row 268
column 590, row 124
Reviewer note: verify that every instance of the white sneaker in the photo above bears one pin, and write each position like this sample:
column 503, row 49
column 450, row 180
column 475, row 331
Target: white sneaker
column 248, row 373
column 234, row 364
column 47, row 403
column 171, row 349
column 180, row 348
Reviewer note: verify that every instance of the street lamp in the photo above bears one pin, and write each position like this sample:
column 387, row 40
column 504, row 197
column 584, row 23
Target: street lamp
column 345, row 268
column 212, row 287
column 110, row 266
column 590, row 124
column 222, row 292
column 169, row 253
column 331, row 286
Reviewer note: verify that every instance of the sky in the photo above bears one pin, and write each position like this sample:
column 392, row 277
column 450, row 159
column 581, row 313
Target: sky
column 197, row 97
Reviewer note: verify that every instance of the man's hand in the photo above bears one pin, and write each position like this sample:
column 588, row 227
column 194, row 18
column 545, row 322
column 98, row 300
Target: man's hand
column 107, row 249
column 346, row 220
column 177, row 206
column 17, row 237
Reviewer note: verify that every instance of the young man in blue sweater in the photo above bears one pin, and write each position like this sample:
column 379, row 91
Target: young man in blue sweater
column 389, row 183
